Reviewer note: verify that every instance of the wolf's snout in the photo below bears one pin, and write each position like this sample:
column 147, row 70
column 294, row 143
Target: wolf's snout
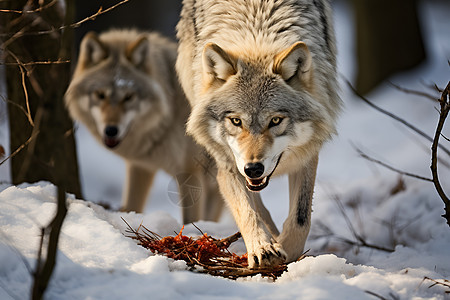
column 110, row 138
column 111, row 131
column 254, row 170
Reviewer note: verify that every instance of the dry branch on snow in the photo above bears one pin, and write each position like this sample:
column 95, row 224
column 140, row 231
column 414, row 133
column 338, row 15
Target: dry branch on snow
column 203, row 254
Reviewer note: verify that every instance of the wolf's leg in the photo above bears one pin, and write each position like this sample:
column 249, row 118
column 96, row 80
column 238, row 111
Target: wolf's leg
column 265, row 215
column 190, row 193
column 137, row 185
column 296, row 227
column 263, row 250
column 212, row 201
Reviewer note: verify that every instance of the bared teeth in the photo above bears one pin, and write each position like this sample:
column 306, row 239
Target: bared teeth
column 257, row 184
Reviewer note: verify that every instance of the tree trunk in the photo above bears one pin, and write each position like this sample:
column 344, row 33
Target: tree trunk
column 41, row 86
column 388, row 40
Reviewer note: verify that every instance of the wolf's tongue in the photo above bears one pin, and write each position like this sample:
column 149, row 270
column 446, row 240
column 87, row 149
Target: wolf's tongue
column 111, row 142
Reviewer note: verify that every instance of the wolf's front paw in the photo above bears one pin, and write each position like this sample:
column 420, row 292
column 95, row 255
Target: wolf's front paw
column 266, row 255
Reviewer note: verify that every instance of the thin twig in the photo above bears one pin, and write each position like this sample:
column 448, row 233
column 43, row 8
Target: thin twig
column 367, row 157
column 391, row 115
column 41, row 8
column 360, row 241
column 414, row 92
column 30, row 139
column 34, row 63
column 14, row 104
column 446, row 283
column 445, row 108
column 101, row 11
column 24, row 86
column 27, row 100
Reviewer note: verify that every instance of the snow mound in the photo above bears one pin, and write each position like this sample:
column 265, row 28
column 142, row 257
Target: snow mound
column 97, row 261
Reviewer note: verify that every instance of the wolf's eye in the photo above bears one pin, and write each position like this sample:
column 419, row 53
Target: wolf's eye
column 236, row 121
column 275, row 121
column 128, row 97
column 100, row 95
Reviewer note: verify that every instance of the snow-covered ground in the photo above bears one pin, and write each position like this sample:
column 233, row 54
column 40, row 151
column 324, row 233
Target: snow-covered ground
column 96, row 261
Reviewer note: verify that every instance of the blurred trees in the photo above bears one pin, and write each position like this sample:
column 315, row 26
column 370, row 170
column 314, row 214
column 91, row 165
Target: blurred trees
column 36, row 56
column 161, row 16
column 388, row 40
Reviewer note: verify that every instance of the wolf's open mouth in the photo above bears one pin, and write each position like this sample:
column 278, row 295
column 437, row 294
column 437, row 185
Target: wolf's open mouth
column 111, row 142
column 256, row 185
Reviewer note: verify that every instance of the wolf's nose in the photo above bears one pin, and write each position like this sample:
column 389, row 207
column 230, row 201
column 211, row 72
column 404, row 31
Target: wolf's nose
column 111, row 131
column 254, row 170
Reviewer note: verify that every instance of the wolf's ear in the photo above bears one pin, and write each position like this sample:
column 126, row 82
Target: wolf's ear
column 294, row 61
column 217, row 63
column 92, row 51
column 137, row 52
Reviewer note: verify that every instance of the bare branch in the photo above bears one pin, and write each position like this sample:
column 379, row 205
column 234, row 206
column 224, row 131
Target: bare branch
column 25, row 91
column 445, row 283
column 445, row 108
column 44, row 272
column 32, row 137
column 445, row 138
column 383, row 111
column 41, row 8
column 365, row 156
column 413, row 92
column 33, row 63
column 101, row 11
column 360, row 241
column 14, row 104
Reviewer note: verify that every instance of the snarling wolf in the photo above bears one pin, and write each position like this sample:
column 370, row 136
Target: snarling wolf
column 260, row 77
column 125, row 91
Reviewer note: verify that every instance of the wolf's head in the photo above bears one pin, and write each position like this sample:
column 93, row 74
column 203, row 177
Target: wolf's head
column 112, row 87
column 262, row 113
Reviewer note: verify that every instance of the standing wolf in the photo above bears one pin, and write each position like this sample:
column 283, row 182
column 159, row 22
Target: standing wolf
column 125, row 90
column 260, row 76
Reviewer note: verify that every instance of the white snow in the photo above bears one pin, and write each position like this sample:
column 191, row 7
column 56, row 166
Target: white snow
column 97, row 261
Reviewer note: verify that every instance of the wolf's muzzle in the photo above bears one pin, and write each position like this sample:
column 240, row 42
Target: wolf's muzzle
column 111, row 136
column 254, row 170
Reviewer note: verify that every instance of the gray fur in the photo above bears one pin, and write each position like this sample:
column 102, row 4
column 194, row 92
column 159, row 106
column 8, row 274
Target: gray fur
column 120, row 63
column 256, row 60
